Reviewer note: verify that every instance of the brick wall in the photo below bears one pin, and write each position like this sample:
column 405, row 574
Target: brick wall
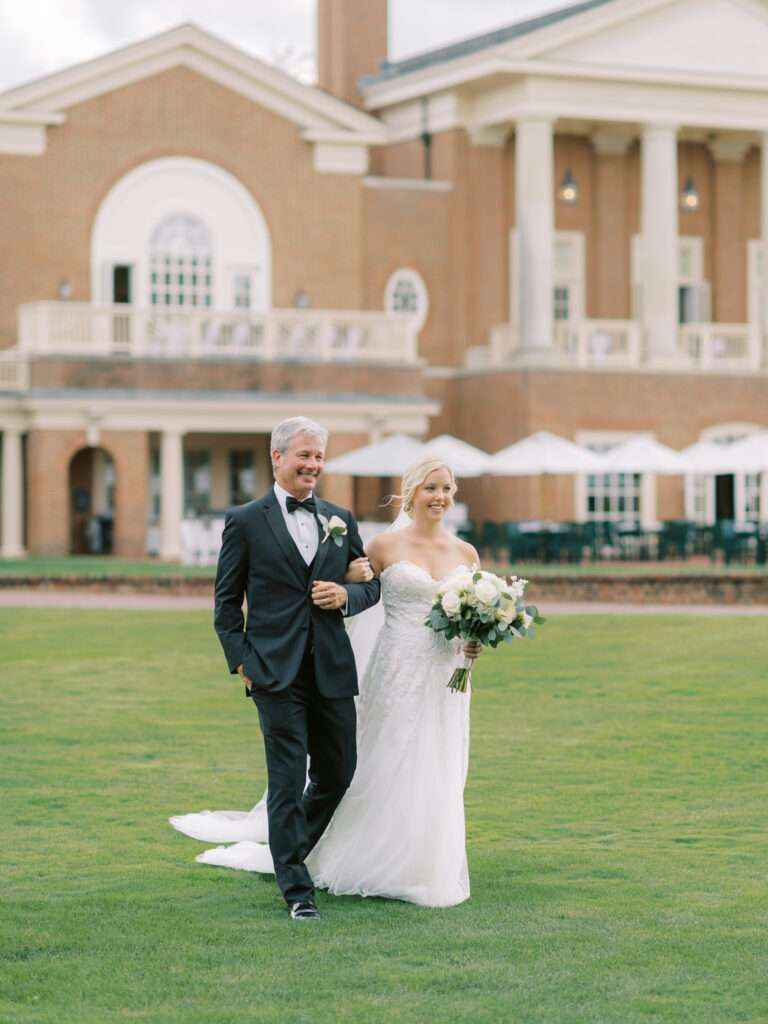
column 229, row 375
column 49, row 515
column 314, row 219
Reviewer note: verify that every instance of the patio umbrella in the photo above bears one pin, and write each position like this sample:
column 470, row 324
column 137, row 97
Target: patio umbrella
column 390, row 457
column 644, row 455
column 545, row 453
column 750, row 455
column 464, row 459
column 707, row 458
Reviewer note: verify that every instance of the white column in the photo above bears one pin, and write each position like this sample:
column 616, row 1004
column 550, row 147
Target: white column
column 11, row 511
column 534, row 201
column 764, row 233
column 171, row 493
column 764, row 497
column 659, row 230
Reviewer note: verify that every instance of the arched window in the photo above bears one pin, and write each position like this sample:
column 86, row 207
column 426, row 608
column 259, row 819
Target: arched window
column 181, row 262
column 406, row 293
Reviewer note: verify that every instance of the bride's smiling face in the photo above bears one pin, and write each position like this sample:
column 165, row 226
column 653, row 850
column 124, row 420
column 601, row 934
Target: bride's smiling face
column 434, row 496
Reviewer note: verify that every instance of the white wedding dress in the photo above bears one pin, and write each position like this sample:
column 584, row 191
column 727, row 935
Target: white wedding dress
column 399, row 830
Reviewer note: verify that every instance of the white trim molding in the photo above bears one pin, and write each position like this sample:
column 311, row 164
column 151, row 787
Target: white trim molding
column 188, row 46
column 144, row 196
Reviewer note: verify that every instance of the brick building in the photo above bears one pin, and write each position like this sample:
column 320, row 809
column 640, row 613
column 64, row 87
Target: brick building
column 559, row 225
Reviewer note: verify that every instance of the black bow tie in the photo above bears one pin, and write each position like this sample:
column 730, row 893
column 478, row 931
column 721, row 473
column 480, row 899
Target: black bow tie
column 308, row 504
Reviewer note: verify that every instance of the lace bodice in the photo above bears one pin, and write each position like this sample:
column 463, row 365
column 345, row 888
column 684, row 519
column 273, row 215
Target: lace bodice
column 407, row 592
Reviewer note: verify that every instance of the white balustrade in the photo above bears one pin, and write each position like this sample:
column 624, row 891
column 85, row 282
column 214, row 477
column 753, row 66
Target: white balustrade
column 721, row 347
column 78, row 328
column 600, row 343
column 619, row 344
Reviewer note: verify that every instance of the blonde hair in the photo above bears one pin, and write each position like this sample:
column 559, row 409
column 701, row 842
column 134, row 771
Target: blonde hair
column 415, row 476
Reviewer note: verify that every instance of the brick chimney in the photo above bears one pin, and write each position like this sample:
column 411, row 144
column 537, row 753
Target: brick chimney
column 352, row 40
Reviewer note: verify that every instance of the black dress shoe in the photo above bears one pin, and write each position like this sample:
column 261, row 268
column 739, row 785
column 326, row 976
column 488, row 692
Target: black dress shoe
column 303, row 910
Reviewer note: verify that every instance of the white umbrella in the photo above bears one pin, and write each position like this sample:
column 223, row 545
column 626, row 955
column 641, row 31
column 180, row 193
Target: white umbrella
column 390, row 457
column 545, row 453
column 750, row 455
column 464, row 459
column 644, row 455
column 707, row 458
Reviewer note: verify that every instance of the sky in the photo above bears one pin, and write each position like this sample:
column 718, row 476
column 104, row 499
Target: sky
column 38, row 37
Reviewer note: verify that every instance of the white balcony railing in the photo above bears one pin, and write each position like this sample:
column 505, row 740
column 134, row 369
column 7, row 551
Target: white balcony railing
column 14, row 371
column 79, row 328
column 600, row 342
column 620, row 344
column 720, row 347
column 583, row 343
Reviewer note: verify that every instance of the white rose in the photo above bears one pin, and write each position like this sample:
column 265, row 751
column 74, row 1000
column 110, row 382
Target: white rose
column 527, row 620
column 507, row 614
column 451, row 603
column 462, row 579
column 486, row 592
column 336, row 522
column 516, row 587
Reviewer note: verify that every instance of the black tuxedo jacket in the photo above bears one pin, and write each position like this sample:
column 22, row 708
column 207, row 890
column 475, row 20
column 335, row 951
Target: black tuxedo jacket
column 260, row 560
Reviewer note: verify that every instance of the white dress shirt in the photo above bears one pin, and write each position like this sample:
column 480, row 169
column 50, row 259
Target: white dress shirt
column 302, row 526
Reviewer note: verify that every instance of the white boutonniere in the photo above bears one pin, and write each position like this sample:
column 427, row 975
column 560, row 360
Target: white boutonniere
column 335, row 528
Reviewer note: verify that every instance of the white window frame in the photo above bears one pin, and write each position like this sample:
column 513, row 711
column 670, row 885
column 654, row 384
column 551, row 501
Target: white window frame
column 415, row 279
column 575, row 281
column 251, row 271
column 590, row 438
column 748, row 489
column 698, row 296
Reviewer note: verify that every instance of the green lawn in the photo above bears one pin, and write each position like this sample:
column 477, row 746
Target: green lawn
column 95, row 565
column 616, row 815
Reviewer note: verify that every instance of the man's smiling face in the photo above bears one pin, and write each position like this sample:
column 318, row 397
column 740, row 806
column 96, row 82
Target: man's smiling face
column 298, row 469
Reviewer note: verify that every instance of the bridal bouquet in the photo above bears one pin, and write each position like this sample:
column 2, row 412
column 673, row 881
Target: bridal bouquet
column 480, row 606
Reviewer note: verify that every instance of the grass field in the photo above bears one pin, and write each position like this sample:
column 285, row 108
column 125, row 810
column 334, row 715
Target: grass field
column 96, row 565
column 616, row 831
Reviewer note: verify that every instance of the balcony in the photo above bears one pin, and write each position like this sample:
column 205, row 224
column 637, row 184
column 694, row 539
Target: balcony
column 326, row 336
column 620, row 345
column 14, row 371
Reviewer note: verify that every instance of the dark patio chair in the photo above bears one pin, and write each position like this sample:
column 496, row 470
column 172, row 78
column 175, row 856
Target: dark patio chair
column 734, row 545
column 676, row 539
column 492, row 539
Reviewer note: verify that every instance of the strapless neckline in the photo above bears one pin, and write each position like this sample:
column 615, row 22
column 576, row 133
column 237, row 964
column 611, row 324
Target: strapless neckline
column 426, row 572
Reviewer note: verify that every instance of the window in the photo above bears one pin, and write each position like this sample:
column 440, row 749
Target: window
column 242, row 478
column 406, row 293
column 568, row 276
column 693, row 292
column 562, row 310
column 197, row 482
column 614, row 497
column 181, row 263
column 242, row 290
column 611, row 497
column 155, row 485
column 752, row 497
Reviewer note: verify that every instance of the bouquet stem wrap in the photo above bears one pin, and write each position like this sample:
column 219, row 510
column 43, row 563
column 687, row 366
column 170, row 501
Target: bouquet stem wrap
column 462, row 677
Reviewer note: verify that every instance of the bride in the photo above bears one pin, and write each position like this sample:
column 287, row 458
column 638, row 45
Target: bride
column 399, row 829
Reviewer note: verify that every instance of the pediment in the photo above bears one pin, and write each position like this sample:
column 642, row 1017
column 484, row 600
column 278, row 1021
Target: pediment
column 319, row 114
column 695, row 37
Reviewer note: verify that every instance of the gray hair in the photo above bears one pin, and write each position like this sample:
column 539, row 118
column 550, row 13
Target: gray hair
column 284, row 433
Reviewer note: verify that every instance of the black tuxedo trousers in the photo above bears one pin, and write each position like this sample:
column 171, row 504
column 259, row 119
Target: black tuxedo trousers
column 297, row 721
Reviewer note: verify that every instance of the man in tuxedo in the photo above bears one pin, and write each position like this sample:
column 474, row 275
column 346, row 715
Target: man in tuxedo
column 288, row 556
